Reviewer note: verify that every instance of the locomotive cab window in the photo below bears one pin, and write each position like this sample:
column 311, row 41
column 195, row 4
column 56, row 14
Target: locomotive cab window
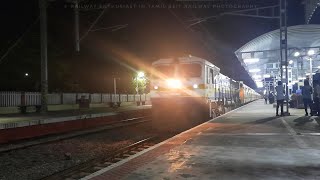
column 163, row 70
column 189, row 70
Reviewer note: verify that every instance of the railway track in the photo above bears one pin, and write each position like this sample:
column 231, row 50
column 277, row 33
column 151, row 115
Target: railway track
column 59, row 137
column 94, row 165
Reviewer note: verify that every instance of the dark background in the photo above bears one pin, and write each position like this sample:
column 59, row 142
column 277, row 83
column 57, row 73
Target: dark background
column 152, row 33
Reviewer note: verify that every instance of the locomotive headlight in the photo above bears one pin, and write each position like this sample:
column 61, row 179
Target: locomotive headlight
column 155, row 87
column 195, row 86
column 174, row 83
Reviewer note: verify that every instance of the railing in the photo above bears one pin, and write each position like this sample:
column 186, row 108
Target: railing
column 14, row 99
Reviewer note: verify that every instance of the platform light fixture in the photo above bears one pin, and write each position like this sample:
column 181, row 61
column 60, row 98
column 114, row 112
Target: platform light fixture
column 254, row 70
column 256, row 76
column 309, row 74
column 266, row 76
column 251, row 60
column 140, row 75
column 296, row 54
column 290, row 62
column 311, row 52
column 259, row 84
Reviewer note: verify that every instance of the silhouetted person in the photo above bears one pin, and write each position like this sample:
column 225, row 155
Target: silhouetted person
column 271, row 97
column 316, row 95
column 265, row 98
column 280, row 97
column 306, row 96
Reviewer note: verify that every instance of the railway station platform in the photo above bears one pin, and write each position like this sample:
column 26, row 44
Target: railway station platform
column 15, row 127
column 247, row 143
column 62, row 114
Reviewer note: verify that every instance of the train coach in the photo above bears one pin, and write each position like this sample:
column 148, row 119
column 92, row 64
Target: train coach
column 189, row 90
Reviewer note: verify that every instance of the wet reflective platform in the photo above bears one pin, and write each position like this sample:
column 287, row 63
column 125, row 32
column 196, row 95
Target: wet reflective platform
column 247, row 143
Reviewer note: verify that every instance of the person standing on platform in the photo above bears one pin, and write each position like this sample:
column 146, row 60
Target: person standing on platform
column 280, row 98
column 265, row 98
column 306, row 96
column 271, row 97
column 316, row 95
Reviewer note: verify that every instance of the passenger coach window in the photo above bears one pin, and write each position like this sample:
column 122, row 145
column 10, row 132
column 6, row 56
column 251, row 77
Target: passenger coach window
column 211, row 76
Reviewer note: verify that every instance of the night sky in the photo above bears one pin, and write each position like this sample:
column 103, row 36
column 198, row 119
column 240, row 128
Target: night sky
column 152, row 33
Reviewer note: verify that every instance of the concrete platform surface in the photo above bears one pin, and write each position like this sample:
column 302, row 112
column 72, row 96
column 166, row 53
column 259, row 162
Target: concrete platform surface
column 247, row 143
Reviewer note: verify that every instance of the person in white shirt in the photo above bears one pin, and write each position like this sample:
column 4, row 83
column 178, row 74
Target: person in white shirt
column 280, row 97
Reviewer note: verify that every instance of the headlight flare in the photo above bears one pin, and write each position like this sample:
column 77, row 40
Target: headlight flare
column 174, row 83
column 195, row 86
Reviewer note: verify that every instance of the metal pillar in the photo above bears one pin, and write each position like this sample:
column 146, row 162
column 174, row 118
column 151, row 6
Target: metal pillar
column 115, row 86
column 76, row 26
column 44, row 55
column 310, row 76
column 283, row 48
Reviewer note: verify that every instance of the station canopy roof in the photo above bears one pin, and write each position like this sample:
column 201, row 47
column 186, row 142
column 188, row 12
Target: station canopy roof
column 266, row 48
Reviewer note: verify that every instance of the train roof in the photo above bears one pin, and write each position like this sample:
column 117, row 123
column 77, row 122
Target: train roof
column 185, row 59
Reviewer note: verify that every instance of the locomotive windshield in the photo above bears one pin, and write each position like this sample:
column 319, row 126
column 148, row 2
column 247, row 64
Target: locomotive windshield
column 183, row 70
column 189, row 70
column 166, row 70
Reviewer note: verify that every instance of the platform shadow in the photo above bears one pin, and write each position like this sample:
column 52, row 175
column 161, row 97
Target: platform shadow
column 303, row 120
column 264, row 120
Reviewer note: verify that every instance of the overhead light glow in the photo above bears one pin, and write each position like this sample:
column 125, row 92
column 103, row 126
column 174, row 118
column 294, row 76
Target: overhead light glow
column 156, row 87
column 174, row 83
column 251, row 60
column 26, row 74
column 296, row 54
column 309, row 74
column 311, row 52
column 259, row 84
column 266, row 76
column 290, row 62
column 254, row 70
column 256, row 76
column 140, row 75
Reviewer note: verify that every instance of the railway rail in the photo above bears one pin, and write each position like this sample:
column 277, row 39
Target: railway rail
column 97, row 164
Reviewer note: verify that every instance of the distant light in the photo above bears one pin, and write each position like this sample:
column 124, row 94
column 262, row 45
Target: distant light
column 301, row 78
column 195, row 86
column 140, row 75
column 26, row 74
column 311, row 52
column 290, row 62
column 283, row 66
column 296, row 54
column 251, row 60
column 256, row 76
column 156, row 87
column 254, row 70
column 259, row 84
column 190, row 56
column 318, row 67
column 266, row 76
column 309, row 74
